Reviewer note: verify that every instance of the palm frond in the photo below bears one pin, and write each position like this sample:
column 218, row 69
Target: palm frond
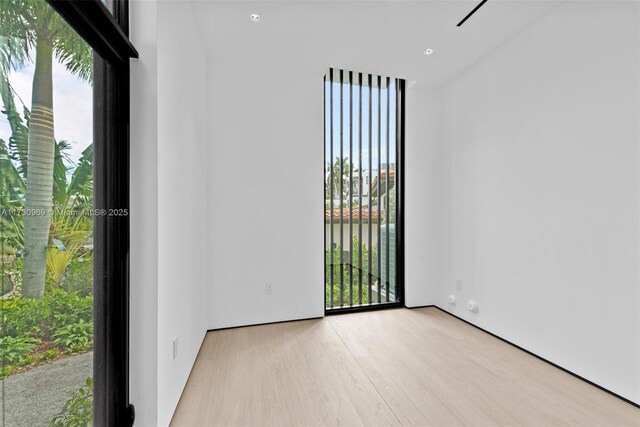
column 19, row 140
column 60, row 169
column 73, row 52
column 14, row 53
column 81, row 184
column 12, row 184
column 17, row 19
column 16, row 149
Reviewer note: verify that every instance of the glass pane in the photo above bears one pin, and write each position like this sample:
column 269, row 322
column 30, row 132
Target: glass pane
column 46, row 227
column 360, row 191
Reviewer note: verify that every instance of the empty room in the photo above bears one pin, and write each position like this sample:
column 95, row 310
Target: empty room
column 169, row 256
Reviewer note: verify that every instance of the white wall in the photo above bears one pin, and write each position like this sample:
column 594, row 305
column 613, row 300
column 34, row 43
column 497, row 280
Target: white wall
column 168, row 205
column 144, row 214
column 542, row 191
column 424, row 197
column 266, row 146
column 182, row 215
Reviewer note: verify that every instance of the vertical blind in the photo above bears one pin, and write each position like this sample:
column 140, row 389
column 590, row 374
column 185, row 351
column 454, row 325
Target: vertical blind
column 364, row 132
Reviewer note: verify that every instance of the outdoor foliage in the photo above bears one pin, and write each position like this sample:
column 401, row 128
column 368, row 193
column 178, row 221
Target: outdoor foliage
column 42, row 318
column 75, row 337
column 57, row 262
column 14, row 350
column 342, row 170
column 32, row 30
column 29, row 328
column 78, row 410
column 358, row 270
column 51, row 354
column 72, row 198
column 79, row 276
column 63, row 316
column 46, row 307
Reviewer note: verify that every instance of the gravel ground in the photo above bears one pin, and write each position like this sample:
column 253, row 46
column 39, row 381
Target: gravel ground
column 32, row 398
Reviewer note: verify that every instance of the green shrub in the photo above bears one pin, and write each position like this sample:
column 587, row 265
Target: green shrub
column 52, row 353
column 79, row 277
column 26, row 361
column 14, row 350
column 68, row 307
column 356, row 297
column 41, row 318
column 74, row 337
column 27, row 318
column 78, row 410
column 5, row 371
column 8, row 313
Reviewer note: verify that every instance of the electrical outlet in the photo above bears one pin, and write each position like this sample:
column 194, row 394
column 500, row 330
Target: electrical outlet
column 459, row 284
column 268, row 289
column 175, row 348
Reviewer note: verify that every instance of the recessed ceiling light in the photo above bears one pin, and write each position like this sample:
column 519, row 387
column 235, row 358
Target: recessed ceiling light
column 254, row 17
column 428, row 51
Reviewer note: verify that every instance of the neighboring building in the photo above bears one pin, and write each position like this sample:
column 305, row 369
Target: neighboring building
column 355, row 221
column 345, row 213
column 369, row 180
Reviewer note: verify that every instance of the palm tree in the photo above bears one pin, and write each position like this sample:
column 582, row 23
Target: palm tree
column 341, row 173
column 45, row 34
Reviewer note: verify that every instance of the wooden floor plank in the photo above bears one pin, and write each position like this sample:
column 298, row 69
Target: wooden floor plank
column 389, row 367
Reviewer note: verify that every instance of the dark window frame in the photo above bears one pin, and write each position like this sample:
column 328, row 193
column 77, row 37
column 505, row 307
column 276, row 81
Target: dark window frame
column 107, row 33
column 400, row 111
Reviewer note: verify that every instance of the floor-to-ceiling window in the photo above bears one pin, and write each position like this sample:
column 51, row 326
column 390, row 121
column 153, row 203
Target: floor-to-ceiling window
column 363, row 190
column 64, row 97
column 46, row 227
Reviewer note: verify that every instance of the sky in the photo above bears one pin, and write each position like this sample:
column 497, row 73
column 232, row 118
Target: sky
column 72, row 106
column 355, row 120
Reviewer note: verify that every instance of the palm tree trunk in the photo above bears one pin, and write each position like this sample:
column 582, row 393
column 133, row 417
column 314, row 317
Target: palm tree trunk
column 40, row 175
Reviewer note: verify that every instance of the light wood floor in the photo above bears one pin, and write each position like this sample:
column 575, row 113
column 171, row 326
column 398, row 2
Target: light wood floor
column 390, row 367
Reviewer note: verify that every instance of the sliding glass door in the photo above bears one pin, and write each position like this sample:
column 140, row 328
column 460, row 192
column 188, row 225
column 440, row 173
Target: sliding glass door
column 364, row 132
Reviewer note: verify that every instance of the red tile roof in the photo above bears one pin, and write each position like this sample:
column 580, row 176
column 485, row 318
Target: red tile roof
column 354, row 215
column 383, row 180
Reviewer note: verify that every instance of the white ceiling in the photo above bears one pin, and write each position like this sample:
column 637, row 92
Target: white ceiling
column 381, row 37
